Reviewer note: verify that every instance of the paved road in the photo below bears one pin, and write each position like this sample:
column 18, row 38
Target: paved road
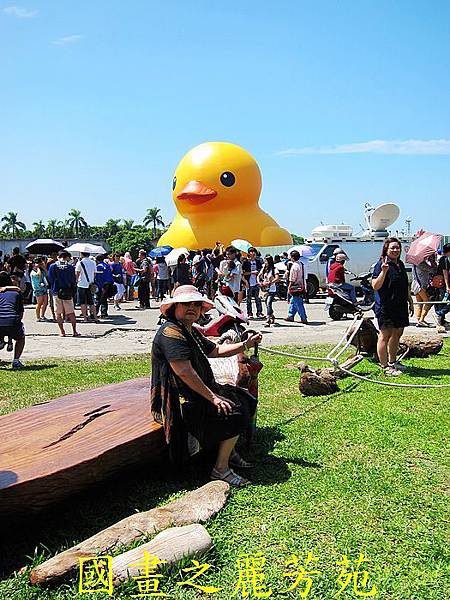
column 130, row 331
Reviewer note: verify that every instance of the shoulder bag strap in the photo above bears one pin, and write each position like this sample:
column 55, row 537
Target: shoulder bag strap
column 303, row 273
column 85, row 272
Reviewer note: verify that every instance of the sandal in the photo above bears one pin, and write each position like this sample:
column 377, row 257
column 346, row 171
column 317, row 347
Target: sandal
column 239, row 462
column 230, row 477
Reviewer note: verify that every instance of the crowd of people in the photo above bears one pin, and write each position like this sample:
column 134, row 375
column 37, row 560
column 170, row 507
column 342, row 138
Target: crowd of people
column 57, row 284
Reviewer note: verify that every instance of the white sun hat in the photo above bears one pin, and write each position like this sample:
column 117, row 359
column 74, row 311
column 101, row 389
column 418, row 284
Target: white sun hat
column 186, row 293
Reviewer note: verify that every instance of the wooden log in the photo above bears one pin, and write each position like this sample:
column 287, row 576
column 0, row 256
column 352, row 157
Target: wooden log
column 421, row 346
column 194, row 507
column 55, row 449
column 169, row 546
column 349, row 364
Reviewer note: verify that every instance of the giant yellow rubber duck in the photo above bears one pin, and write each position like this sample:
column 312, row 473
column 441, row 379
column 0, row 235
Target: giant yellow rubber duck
column 216, row 190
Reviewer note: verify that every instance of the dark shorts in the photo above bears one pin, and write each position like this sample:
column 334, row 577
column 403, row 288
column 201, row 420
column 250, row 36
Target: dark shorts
column 393, row 321
column 85, row 296
column 15, row 332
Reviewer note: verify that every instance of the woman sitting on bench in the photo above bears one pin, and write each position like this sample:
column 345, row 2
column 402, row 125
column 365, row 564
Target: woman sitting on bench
column 186, row 399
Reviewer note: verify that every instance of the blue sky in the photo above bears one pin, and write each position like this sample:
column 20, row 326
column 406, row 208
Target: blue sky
column 100, row 100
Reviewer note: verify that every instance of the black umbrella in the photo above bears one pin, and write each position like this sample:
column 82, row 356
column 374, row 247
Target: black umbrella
column 44, row 246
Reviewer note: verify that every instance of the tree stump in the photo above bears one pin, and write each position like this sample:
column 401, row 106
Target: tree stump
column 366, row 338
column 318, row 383
column 421, row 346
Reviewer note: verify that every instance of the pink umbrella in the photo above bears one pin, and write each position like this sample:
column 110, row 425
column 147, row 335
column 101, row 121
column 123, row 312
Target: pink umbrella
column 426, row 245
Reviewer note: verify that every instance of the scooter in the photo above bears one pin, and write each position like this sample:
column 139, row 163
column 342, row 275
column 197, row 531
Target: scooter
column 339, row 304
column 229, row 325
column 366, row 287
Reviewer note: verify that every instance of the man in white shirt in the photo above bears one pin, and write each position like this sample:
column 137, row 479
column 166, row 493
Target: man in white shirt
column 85, row 274
column 232, row 277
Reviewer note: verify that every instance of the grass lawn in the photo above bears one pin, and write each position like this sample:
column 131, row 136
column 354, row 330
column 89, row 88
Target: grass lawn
column 365, row 470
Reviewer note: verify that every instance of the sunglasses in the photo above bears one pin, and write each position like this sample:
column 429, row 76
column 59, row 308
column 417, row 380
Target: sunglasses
column 196, row 303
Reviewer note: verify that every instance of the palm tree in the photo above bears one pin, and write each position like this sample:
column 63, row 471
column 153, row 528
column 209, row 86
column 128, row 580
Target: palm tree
column 67, row 228
column 128, row 223
column 39, row 228
column 76, row 221
column 153, row 217
column 51, row 227
column 12, row 225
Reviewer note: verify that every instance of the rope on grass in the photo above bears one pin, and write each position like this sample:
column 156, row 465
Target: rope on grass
column 281, row 353
column 334, row 361
column 391, row 383
column 363, row 377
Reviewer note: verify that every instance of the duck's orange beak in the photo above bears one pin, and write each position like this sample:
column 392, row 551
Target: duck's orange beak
column 196, row 193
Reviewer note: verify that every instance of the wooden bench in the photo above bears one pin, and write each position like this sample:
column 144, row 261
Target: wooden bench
column 55, row 449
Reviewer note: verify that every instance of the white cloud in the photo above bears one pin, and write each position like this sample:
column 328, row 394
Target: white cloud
column 68, row 39
column 423, row 147
column 19, row 12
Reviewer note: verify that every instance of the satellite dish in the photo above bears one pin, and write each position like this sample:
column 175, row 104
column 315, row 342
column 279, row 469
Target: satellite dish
column 383, row 216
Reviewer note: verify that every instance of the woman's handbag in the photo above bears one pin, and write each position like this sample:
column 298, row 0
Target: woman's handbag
column 92, row 286
column 437, row 281
column 296, row 289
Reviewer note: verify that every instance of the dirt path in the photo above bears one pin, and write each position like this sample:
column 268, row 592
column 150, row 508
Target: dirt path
column 131, row 331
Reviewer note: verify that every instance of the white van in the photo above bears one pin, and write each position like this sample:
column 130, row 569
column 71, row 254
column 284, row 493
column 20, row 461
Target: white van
column 362, row 254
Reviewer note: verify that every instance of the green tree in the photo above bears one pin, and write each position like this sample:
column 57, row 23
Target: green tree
column 111, row 227
column 128, row 224
column 97, row 232
column 77, row 222
column 153, row 218
column 12, row 224
column 297, row 239
column 131, row 241
column 39, row 228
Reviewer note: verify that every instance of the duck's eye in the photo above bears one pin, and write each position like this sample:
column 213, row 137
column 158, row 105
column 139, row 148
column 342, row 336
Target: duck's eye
column 227, row 179
column 174, row 182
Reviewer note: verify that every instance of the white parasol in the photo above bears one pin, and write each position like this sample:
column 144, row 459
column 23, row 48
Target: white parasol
column 79, row 247
column 172, row 257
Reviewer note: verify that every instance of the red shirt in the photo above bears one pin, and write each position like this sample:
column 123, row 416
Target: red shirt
column 336, row 273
